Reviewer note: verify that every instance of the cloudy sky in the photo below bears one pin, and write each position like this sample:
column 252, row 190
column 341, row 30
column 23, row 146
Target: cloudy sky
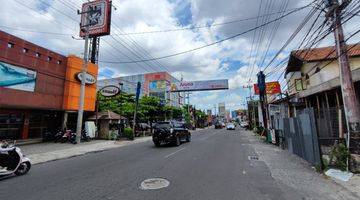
column 143, row 29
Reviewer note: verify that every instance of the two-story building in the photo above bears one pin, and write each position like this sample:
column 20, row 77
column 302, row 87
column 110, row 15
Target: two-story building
column 313, row 79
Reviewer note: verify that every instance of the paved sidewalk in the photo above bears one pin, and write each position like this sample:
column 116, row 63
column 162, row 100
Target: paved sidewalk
column 44, row 152
column 290, row 170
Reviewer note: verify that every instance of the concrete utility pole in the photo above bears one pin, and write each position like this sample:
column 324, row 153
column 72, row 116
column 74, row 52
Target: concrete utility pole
column 351, row 103
column 82, row 87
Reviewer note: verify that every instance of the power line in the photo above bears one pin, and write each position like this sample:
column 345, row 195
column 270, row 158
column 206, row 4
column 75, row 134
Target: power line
column 207, row 45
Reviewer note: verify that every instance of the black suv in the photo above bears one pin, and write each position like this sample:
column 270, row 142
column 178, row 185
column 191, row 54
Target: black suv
column 170, row 132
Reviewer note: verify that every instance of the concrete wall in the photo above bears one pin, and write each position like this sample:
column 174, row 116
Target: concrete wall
column 326, row 73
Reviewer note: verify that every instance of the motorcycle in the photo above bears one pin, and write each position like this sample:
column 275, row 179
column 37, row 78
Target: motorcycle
column 84, row 136
column 69, row 136
column 12, row 161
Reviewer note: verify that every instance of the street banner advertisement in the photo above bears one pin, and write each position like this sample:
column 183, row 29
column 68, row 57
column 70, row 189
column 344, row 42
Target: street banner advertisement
column 97, row 15
column 18, row 78
column 199, row 85
column 271, row 88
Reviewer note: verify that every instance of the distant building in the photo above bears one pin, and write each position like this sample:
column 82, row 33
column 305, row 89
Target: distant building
column 152, row 84
column 222, row 110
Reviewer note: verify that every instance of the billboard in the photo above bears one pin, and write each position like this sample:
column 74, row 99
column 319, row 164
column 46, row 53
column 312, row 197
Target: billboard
column 96, row 14
column 199, row 85
column 18, row 78
column 157, row 86
column 271, row 88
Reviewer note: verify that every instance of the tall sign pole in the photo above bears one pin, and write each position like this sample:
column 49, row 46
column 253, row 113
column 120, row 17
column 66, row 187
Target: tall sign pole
column 82, row 87
column 351, row 103
column 95, row 22
column 138, row 88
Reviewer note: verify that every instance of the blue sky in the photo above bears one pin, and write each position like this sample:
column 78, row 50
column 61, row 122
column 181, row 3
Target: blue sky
column 228, row 59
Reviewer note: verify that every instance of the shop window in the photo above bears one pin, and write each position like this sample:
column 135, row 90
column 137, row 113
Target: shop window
column 298, row 84
column 10, row 45
column 11, row 126
column 25, row 50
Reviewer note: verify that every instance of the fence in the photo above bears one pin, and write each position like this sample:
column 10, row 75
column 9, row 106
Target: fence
column 300, row 135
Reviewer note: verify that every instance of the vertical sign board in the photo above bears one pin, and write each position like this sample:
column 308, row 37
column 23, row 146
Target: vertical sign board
column 97, row 15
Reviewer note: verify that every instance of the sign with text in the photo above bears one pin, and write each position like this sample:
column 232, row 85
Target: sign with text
column 110, row 91
column 199, row 85
column 271, row 88
column 89, row 79
column 96, row 15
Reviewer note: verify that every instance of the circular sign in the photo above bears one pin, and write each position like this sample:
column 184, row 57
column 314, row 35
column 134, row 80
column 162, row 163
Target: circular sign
column 89, row 79
column 154, row 184
column 110, row 91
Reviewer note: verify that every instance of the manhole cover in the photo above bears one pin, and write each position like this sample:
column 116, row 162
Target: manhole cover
column 154, row 184
column 253, row 157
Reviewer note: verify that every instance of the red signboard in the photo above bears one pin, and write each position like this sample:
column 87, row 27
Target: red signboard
column 271, row 88
column 96, row 14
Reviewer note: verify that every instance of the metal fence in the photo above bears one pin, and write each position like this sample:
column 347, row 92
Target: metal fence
column 300, row 135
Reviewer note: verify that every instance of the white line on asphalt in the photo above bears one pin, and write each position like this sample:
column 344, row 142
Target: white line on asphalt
column 174, row 152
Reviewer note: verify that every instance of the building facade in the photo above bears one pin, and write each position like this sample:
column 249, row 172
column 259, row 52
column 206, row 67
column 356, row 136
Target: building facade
column 152, row 84
column 37, row 87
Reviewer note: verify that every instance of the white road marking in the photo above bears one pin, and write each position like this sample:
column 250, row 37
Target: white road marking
column 173, row 153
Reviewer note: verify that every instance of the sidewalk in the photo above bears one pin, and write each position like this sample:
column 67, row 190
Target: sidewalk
column 44, row 152
column 292, row 171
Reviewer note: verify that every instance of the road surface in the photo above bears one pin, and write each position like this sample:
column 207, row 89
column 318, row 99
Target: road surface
column 214, row 165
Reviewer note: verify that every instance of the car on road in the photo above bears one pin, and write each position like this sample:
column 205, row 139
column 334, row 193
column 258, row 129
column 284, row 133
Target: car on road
column 218, row 125
column 170, row 132
column 230, row 126
column 244, row 124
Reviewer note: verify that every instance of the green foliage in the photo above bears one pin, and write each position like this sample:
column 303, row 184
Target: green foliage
column 128, row 132
column 339, row 155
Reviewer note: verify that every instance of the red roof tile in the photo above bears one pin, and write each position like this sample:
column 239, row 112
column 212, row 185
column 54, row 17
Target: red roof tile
column 318, row 54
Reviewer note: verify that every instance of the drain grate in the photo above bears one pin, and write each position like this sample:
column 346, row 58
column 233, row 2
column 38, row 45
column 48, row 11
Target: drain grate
column 253, row 158
column 154, row 184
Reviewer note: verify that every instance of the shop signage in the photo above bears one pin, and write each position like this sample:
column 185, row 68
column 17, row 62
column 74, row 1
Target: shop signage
column 200, row 85
column 96, row 14
column 271, row 88
column 89, row 79
column 110, row 91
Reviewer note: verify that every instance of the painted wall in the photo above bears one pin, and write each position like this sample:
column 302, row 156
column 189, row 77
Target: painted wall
column 72, row 85
column 50, row 68
column 326, row 73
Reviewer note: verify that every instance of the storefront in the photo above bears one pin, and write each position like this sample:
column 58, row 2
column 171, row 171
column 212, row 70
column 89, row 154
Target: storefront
column 37, row 88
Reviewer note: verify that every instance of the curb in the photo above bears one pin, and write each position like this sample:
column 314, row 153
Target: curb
column 81, row 150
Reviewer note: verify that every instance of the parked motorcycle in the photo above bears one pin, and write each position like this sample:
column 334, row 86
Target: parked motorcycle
column 12, row 161
column 84, row 136
column 58, row 135
column 69, row 136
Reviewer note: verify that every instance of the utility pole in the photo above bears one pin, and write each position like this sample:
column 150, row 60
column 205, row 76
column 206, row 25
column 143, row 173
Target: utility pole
column 262, row 95
column 351, row 103
column 83, row 79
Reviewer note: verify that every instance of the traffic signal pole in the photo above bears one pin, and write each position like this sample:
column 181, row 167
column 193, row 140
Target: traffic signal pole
column 351, row 103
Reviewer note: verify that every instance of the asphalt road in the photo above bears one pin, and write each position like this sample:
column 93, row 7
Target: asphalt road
column 214, row 165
